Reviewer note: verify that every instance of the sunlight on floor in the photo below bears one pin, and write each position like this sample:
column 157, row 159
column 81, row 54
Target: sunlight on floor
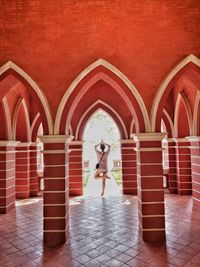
column 94, row 187
column 28, row 201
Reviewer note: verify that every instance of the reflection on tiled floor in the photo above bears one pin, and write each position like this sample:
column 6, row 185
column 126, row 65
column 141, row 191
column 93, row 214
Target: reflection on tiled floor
column 94, row 186
column 103, row 232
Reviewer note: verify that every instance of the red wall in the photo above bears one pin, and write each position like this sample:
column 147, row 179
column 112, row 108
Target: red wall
column 53, row 41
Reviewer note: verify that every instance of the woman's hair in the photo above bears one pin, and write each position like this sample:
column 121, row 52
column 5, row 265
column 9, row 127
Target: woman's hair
column 102, row 146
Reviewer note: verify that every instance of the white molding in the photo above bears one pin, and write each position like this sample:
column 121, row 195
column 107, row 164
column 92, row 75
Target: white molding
column 100, row 62
column 24, row 144
column 148, row 136
column 177, row 114
column 181, row 140
column 8, row 143
column 10, row 65
column 149, row 149
column 56, row 231
column 127, row 141
column 152, row 229
column 22, row 102
column 34, row 122
column 195, row 112
column 76, row 142
column 55, row 138
column 8, row 118
column 165, row 83
column 193, row 139
column 169, row 120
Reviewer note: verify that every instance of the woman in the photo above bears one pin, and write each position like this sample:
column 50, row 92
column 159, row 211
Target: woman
column 102, row 168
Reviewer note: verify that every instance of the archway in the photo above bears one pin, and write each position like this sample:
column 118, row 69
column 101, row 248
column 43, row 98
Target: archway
column 101, row 126
column 21, row 100
column 101, row 85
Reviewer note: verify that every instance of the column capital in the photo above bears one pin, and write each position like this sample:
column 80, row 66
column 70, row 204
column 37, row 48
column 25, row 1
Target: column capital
column 35, row 143
column 148, row 136
column 193, row 138
column 9, row 143
column 24, row 144
column 179, row 140
column 127, row 141
column 56, row 138
column 171, row 140
column 76, row 142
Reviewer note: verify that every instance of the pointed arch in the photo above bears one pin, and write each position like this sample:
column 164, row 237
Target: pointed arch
column 35, row 122
column 132, row 127
column 12, row 66
column 168, row 123
column 8, row 118
column 70, row 130
column 196, row 114
column 35, row 126
column 182, row 97
column 21, row 103
column 114, row 70
column 161, row 90
column 100, row 105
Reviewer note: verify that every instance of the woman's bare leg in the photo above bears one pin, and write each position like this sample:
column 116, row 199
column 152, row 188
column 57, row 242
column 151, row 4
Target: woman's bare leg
column 103, row 184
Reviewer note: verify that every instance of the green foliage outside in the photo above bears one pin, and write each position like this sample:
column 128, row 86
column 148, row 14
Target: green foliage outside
column 86, row 176
column 117, row 174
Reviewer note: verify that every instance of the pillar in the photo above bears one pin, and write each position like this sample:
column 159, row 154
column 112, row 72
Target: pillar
column 34, row 180
column 75, row 169
column 23, row 170
column 150, row 186
column 183, row 165
column 195, row 162
column 7, row 175
column 56, row 189
column 172, row 175
column 129, row 170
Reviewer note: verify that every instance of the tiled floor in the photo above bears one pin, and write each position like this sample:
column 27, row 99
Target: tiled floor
column 103, row 232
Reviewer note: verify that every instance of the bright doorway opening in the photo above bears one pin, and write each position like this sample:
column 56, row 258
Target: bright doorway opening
column 101, row 126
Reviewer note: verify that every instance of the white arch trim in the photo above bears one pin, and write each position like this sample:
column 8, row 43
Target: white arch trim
column 36, row 88
column 22, row 102
column 34, row 122
column 176, row 114
column 164, row 84
column 100, row 109
column 112, row 83
column 118, row 73
column 8, row 118
column 169, row 120
column 109, row 107
column 195, row 117
column 131, row 126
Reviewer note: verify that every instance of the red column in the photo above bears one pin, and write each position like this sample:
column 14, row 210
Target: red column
column 22, row 181
column 150, row 186
column 195, row 162
column 7, row 175
column 172, row 175
column 56, row 189
column 129, row 170
column 183, row 165
column 75, row 169
column 34, row 186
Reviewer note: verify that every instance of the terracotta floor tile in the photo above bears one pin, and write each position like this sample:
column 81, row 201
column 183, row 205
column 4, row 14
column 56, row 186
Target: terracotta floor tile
column 103, row 232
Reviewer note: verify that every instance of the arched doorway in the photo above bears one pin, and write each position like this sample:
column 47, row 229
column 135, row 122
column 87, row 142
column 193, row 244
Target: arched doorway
column 20, row 100
column 99, row 127
column 101, row 85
